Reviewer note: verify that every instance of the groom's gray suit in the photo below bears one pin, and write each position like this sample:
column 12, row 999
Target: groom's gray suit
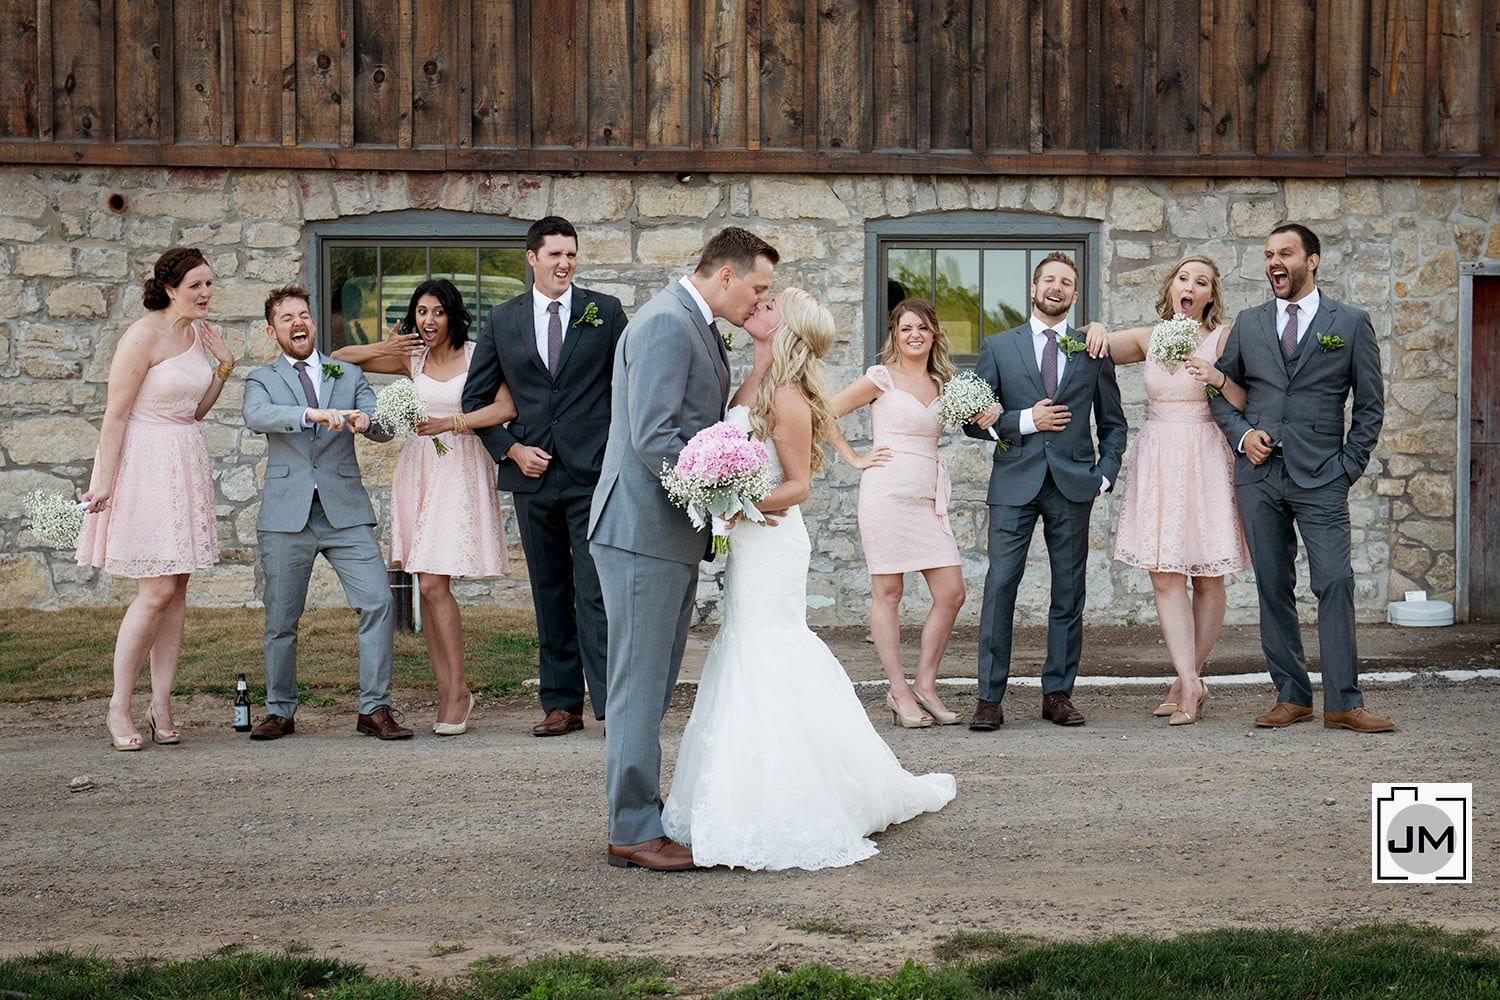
column 1306, row 481
column 315, row 501
column 671, row 380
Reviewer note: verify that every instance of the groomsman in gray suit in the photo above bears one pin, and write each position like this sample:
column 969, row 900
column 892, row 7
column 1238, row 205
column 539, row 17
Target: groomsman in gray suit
column 1300, row 357
column 671, row 380
column 309, row 408
column 1046, row 466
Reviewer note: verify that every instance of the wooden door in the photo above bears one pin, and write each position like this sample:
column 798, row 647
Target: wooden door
column 1484, row 452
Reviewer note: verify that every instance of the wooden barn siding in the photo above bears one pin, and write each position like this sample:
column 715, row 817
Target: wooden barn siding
column 1286, row 87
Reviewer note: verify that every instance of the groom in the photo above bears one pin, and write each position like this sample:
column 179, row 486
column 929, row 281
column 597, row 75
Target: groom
column 1046, row 467
column 671, row 380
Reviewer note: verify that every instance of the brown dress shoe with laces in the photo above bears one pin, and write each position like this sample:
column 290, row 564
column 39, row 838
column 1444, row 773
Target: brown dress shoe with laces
column 559, row 722
column 1359, row 720
column 987, row 717
column 273, row 727
column 382, row 725
column 660, row 855
column 1058, row 707
column 1283, row 714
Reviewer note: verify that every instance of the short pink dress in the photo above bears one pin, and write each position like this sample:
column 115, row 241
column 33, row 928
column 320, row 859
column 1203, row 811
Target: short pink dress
column 445, row 512
column 160, row 517
column 903, row 505
column 1178, row 514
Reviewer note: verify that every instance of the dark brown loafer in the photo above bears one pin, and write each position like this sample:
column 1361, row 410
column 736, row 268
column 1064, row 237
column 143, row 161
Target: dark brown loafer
column 987, row 717
column 660, row 855
column 382, row 725
column 559, row 722
column 1058, row 707
column 273, row 727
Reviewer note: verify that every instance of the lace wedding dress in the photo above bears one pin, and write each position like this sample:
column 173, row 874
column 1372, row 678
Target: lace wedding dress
column 779, row 766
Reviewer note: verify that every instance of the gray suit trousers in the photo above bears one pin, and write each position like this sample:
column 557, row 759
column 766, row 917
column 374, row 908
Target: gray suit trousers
column 1270, row 509
column 286, row 560
column 646, row 642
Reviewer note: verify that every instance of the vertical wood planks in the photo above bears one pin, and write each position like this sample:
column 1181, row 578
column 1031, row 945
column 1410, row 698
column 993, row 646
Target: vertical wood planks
column 288, row 72
column 138, row 69
column 667, row 70
column 1122, row 74
column 1235, row 41
column 894, row 69
column 226, row 73
column 782, row 118
column 1007, row 82
column 377, row 107
column 435, row 81
column 1064, row 73
column 1489, row 93
column 197, row 67
column 18, row 72
column 1348, row 73
column 405, row 82
column 1176, row 38
column 318, row 66
column 950, row 49
column 256, row 83
column 75, row 86
column 610, row 90
column 1404, row 63
column 1457, row 100
column 552, row 79
column 1288, row 90
column 723, row 77
column 844, row 83
column 495, row 74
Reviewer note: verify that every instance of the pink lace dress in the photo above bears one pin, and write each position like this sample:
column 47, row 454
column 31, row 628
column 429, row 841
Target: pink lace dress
column 903, row 505
column 160, row 516
column 1178, row 514
column 445, row 513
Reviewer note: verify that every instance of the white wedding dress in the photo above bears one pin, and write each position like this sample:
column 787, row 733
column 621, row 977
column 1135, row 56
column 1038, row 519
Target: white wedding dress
column 779, row 766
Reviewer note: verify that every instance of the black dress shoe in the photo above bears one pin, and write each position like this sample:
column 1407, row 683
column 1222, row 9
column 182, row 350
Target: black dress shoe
column 1058, row 707
column 987, row 717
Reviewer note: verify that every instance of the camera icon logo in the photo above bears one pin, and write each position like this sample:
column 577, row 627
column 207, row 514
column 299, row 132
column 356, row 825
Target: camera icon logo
column 1421, row 832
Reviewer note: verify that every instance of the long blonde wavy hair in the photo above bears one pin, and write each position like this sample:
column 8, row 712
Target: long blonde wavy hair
column 1213, row 313
column 803, row 336
column 939, row 366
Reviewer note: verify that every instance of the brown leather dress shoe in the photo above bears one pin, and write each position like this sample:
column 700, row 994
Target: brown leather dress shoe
column 987, row 717
column 559, row 722
column 660, row 855
column 273, row 727
column 1359, row 720
column 1284, row 713
column 1058, row 707
column 382, row 725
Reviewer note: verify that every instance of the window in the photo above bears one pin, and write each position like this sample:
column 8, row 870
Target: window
column 975, row 268
column 368, row 267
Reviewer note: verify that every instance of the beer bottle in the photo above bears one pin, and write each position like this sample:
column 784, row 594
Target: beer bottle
column 241, row 707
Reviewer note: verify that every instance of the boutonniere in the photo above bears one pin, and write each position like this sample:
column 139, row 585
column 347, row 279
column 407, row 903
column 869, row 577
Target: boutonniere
column 727, row 336
column 1327, row 344
column 590, row 316
column 1068, row 346
column 332, row 370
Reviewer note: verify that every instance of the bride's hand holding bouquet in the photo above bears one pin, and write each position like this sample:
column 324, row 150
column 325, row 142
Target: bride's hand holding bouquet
column 720, row 474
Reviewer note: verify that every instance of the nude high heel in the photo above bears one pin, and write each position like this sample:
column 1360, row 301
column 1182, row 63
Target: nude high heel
column 1181, row 718
column 163, row 737
column 906, row 721
column 938, row 716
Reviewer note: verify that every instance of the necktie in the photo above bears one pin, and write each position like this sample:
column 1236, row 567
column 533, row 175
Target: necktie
column 1289, row 333
column 307, row 386
column 1049, row 364
column 554, row 336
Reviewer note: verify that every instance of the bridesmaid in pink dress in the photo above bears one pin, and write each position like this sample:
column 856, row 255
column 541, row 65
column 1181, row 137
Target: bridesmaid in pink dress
column 1178, row 518
column 903, row 503
column 445, row 512
column 150, row 504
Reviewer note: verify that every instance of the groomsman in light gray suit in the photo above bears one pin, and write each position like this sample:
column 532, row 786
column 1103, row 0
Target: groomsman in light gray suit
column 1300, row 357
column 671, row 380
column 309, row 408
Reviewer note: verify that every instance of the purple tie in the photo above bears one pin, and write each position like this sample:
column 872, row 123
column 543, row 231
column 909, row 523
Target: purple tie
column 554, row 336
column 1289, row 333
column 307, row 388
column 1049, row 364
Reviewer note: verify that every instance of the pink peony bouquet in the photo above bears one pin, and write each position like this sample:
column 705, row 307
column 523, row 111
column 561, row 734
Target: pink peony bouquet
column 720, row 473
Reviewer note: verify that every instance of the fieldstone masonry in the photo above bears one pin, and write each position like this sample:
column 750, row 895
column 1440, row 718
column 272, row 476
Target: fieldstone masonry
column 71, row 269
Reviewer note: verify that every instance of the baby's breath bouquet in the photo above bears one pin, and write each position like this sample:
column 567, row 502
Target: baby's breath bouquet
column 1173, row 340
column 964, row 398
column 55, row 519
column 399, row 406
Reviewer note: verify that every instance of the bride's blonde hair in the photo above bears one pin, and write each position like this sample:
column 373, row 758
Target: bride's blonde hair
column 804, row 335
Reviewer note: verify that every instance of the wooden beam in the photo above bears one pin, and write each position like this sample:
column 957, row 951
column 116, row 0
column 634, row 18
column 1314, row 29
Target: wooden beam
column 461, row 41
column 523, row 76
column 1205, row 77
column 45, row 86
column 1432, row 104
column 108, row 86
column 1323, row 49
column 753, row 13
column 289, row 72
column 811, row 49
column 1034, row 85
column 1264, row 93
column 405, row 77
column 697, row 33
column 579, row 35
column 1375, row 92
column 1093, row 43
column 166, row 90
column 226, row 72
column 924, row 95
column 346, row 74
column 978, row 79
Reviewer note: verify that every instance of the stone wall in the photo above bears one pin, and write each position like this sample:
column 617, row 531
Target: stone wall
column 71, row 267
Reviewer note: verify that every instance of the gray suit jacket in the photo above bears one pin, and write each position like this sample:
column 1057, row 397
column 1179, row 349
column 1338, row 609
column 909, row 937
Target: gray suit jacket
column 671, row 380
column 1301, row 405
column 1007, row 361
column 300, row 460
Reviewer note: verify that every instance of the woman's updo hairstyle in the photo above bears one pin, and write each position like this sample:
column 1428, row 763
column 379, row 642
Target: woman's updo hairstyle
column 171, row 267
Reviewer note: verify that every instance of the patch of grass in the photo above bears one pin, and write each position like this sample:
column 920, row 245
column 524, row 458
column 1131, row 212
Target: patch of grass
column 440, row 948
column 912, row 981
column 574, row 976
column 832, row 926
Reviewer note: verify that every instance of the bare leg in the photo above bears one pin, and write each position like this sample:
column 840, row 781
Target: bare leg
column 1208, row 614
column 1174, row 612
column 885, row 626
column 166, row 651
column 138, row 631
column 946, row 584
column 443, row 629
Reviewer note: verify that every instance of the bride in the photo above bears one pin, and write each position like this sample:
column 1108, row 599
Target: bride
column 779, row 766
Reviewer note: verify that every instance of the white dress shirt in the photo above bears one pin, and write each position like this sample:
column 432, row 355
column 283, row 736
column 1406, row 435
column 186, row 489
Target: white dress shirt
column 1039, row 345
column 540, row 318
column 708, row 314
column 314, row 372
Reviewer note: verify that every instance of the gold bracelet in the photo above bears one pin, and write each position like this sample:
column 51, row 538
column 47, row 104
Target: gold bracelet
column 459, row 423
column 225, row 369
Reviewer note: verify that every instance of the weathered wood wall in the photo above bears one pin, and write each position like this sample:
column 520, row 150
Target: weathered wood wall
column 1281, row 87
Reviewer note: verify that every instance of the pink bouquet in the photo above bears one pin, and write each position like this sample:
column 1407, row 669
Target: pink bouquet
column 720, row 473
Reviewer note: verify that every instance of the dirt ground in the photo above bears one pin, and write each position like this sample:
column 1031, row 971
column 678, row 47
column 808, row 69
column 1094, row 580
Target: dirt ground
column 391, row 854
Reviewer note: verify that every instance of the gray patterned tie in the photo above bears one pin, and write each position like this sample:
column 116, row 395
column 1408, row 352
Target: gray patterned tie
column 307, row 386
column 1049, row 364
column 554, row 336
column 1289, row 333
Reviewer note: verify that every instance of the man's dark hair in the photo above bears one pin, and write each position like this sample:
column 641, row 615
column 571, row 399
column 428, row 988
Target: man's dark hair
column 1310, row 244
column 549, row 225
column 280, row 295
column 1055, row 257
column 736, row 247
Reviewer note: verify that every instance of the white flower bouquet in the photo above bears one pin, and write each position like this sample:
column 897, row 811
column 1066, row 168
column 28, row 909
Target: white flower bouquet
column 1173, row 340
column 54, row 518
column 720, row 473
column 399, row 406
column 965, row 397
